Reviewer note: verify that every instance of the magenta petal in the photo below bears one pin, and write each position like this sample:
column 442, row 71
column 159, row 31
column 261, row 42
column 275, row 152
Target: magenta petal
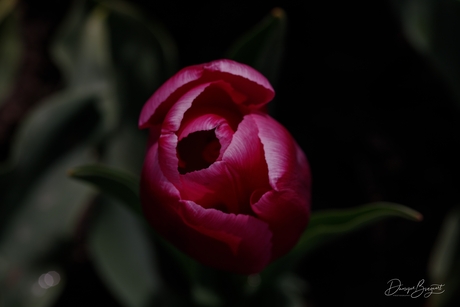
column 287, row 212
column 156, row 190
column 223, row 131
column 210, row 187
column 245, row 158
column 201, row 123
column 287, row 164
column 175, row 115
column 239, row 243
column 242, row 78
column 210, row 98
column 168, row 93
column 245, row 79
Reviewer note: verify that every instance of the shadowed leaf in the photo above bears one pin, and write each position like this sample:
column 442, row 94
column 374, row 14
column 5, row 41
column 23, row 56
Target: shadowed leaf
column 119, row 184
column 333, row 224
column 262, row 47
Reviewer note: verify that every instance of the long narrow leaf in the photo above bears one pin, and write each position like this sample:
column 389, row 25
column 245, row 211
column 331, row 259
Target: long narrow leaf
column 116, row 183
column 262, row 47
column 332, row 224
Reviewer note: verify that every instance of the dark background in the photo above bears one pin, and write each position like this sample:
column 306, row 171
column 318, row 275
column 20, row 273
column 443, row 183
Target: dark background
column 375, row 118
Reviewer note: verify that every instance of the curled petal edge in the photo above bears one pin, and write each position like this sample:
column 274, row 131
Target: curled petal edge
column 242, row 77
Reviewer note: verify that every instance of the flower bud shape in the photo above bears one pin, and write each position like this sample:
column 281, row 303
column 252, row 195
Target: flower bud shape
column 222, row 180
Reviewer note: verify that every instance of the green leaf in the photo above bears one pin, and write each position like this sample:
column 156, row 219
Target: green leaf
column 82, row 52
column 262, row 47
column 433, row 28
column 32, row 236
column 49, row 211
column 122, row 252
column 54, row 120
column 444, row 264
column 144, row 55
column 117, row 183
column 81, row 47
column 328, row 224
column 126, row 149
column 125, row 188
column 332, row 224
column 6, row 6
column 50, row 132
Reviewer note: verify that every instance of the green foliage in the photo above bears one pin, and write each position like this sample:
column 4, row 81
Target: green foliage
column 329, row 224
column 34, row 233
column 444, row 266
column 119, row 184
column 50, row 132
column 6, row 7
column 262, row 47
column 122, row 251
column 41, row 208
column 333, row 224
column 433, row 28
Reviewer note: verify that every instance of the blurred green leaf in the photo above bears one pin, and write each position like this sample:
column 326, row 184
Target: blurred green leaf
column 125, row 188
column 433, row 28
column 126, row 149
column 117, row 183
column 50, row 131
column 444, row 264
column 332, row 224
column 121, row 249
column 48, row 216
column 262, row 47
column 81, row 47
column 328, row 224
column 10, row 53
column 6, row 6
column 143, row 54
column 82, row 51
column 53, row 121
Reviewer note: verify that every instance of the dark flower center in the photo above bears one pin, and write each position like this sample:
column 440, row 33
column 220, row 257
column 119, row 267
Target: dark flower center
column 197, row 151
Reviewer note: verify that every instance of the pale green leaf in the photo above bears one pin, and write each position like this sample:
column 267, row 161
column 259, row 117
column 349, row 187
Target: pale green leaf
column 121, row 248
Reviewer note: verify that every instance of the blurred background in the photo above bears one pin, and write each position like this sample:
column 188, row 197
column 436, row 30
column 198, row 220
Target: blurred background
column 369, row 89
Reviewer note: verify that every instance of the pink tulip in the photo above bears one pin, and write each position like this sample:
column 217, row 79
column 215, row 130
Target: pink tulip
column 222, row 180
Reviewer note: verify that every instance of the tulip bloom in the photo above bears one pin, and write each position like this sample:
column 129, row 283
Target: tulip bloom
column 222, row 180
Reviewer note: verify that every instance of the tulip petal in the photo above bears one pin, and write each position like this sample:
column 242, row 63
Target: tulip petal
column 228, row 184
column 287, row 164
column 167, row 154
column 245, row 158
column 289, row 176
column 210, row 98
column 213, row 187
column 238, row 243
column 287, row 212
column 242, row 78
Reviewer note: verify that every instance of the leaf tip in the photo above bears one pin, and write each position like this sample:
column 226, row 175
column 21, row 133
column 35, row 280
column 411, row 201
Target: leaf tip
column 418, row 217
column 278, row 12
column 71, row 172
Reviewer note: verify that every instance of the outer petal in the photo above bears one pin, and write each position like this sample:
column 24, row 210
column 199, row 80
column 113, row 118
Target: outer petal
column 287, row 212
column 243, row 78
column 239, row 243
column 209, row 98
column 287, row 208
column 287, row 164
